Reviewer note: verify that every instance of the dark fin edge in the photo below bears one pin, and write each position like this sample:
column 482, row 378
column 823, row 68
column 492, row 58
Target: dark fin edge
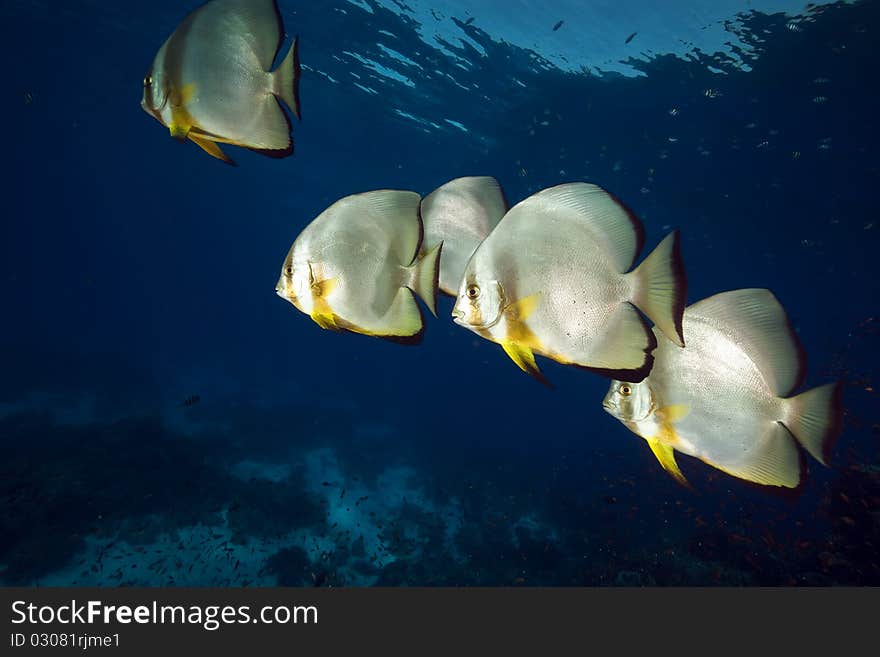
column 681, row 287
column 634, row 375
column 297, row 70
column 436, row 273
column 504, row 198
column 296, row 66
column 278, row 153
column 637, row 225
column 829, row 440
column 801, row 375
column 538, row 375
column 281, row 34
column 409, row 340
column 781, row 492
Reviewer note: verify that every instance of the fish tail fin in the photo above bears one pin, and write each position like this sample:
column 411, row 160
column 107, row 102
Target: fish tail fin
column 661, row 287
column 285, row 80
column 815, row 418
column 425, row 275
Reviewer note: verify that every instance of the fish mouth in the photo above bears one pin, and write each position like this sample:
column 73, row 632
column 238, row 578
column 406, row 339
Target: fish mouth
column 458, row 316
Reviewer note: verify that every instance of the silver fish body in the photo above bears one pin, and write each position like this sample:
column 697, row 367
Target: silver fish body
column 552, row 279
column 460, row 214
column 725, row 397
column 355, row 266
column 211, row 83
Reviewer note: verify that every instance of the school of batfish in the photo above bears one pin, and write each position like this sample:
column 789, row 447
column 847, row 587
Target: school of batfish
column 554, row 276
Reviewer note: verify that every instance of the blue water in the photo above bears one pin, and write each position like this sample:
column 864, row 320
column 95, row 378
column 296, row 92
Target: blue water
column 139, row 273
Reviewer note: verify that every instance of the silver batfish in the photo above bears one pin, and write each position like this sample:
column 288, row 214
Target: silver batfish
column 355, row 267
column 461, row 214
column 726, row 399
column 211, row 82
column 551, row 279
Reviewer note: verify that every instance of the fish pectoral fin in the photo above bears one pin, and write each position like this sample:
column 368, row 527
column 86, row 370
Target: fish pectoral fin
column 521, row 310
column 183, row 96
column 211, row 148
column 322, row 289
column 187, row 93
column 666, row 455
column 525, row 359
column 674, row 412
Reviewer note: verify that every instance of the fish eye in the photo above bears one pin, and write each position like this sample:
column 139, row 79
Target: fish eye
column 148, row 81
column 472, row 291
column 625, row 390
column 289, row 270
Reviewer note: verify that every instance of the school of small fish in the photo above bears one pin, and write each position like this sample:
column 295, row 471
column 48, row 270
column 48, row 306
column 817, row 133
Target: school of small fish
column 554, row 275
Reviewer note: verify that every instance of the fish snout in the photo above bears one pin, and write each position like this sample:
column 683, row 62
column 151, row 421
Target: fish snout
column 458, row 316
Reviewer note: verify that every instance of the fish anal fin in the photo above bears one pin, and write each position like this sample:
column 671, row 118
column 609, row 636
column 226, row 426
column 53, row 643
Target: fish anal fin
column 666, row 455
column 773, row 461
column 211, row 148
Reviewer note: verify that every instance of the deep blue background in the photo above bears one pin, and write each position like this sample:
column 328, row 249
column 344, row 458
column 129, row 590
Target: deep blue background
column 143, row 271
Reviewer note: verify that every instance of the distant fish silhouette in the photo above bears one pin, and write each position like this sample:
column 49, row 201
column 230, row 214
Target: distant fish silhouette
column 191, row 401
column 558, row 25
column 469, row 21
column 631, row 37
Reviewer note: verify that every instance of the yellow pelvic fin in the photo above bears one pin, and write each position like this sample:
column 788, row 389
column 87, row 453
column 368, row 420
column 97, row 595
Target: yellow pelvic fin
column 322, row 313
column 666, row 455
column 179, row 129
column 210, row 147
column 524, row 358
column 325, row 320
column 520, row 343
column 181, row 119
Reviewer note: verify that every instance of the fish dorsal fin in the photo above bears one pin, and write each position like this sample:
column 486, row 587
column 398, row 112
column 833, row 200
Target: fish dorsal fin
column 488, row 195
column 484, row 192
column 257, row 21
column 757, row 323
column 617, row 229
column 398, row 212
column 772, row 461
